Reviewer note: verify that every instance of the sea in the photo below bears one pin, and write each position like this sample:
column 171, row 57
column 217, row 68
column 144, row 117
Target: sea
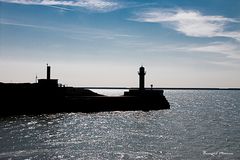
column 201, row 124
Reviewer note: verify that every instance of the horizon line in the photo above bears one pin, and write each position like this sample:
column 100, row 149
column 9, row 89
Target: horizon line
column 147, row 88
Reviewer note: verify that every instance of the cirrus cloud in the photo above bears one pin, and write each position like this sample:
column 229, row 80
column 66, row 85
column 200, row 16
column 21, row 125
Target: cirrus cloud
column 230, row 50
column 190, row 22
column 97, row 5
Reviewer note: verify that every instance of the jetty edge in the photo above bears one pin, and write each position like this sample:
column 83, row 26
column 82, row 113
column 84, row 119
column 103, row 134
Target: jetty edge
column 47, row 96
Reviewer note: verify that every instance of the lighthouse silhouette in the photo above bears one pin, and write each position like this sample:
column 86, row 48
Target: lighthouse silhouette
column 141, row 74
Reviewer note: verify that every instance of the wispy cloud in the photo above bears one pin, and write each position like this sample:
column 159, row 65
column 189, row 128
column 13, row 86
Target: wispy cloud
column 226, row 50
column 96, row 5
column 224, row 63
column 91, row 33
column 190, row 22
column 13, row 23
column 230, row 50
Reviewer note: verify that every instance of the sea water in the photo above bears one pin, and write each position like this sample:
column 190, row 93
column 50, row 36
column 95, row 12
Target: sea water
column 199, row 125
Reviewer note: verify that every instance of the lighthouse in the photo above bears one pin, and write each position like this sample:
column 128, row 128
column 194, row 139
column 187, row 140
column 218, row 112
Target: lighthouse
column 141, row 74
column 48, row 72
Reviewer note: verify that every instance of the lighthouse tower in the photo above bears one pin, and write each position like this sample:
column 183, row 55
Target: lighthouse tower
column 141, row 74
column 48, row 72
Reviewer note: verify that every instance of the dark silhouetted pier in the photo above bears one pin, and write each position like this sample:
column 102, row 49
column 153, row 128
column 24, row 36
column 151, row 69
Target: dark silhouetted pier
column 47, row 96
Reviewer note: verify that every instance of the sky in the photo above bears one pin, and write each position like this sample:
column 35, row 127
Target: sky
column 187, row 43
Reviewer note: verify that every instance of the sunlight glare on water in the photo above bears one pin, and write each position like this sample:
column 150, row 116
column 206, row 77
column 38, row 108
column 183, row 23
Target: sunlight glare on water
column 110, row 92
column 199, row 125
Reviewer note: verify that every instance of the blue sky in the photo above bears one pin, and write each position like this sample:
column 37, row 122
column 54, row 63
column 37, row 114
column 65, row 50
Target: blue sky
column 187, row 43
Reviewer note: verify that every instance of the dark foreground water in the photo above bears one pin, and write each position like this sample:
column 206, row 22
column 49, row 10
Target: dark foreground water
column 199, row 125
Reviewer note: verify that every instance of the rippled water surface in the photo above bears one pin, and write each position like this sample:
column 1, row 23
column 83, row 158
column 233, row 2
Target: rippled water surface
column 199, row 125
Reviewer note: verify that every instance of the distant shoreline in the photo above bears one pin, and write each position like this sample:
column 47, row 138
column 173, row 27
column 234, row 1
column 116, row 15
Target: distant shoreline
column 161, row 88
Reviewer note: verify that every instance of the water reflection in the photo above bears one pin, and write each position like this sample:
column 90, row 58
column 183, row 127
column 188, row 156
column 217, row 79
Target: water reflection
column 197, row 121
